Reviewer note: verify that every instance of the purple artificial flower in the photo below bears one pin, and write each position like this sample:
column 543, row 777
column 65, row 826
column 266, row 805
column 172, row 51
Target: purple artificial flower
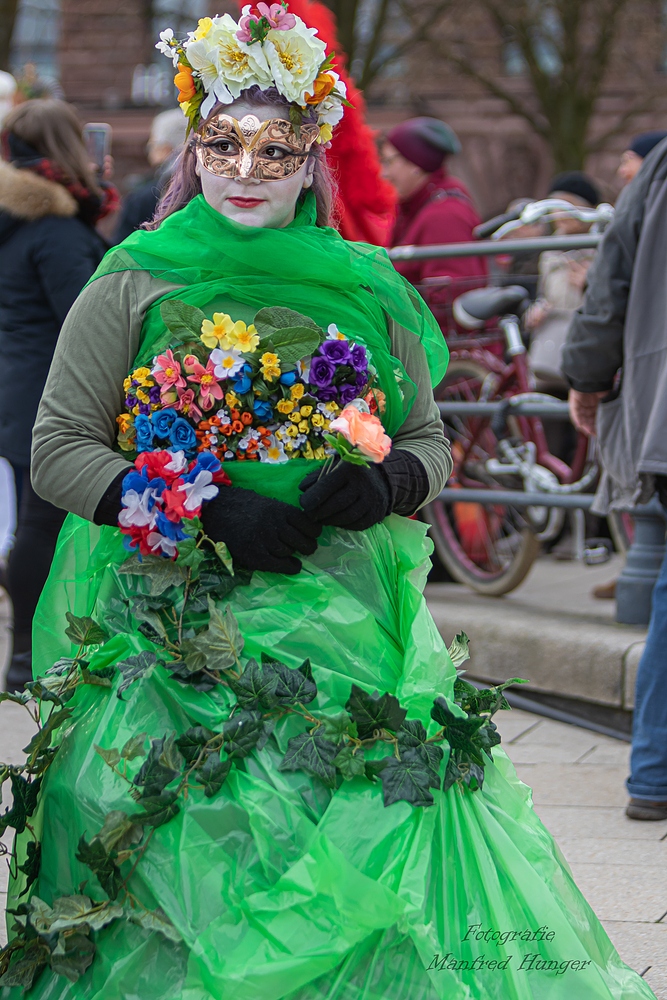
column 328, row 395
column 322, row 372
column 361, row 379
column 154, row 394
column 337, row 351
column 130, row 402
column 359, row 358
column 145, row 408
column 347, row 393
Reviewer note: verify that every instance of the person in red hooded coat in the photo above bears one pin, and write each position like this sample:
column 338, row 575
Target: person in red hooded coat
column 434, row 206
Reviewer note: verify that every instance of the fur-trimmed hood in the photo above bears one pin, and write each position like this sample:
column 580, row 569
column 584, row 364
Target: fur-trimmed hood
column 27, row 197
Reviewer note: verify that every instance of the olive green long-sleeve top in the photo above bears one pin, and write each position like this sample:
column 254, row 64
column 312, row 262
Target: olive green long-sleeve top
column 73, row 461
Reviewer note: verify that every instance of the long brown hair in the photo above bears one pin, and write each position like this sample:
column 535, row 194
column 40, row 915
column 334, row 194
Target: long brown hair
column 185, row 183
column 53, row 130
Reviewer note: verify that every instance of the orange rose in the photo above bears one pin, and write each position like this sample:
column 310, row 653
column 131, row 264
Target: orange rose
column 322, row 87
column 186, row 85
column 364, row 431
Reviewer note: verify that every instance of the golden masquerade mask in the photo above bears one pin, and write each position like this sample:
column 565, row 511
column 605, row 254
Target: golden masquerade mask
column 267, row 151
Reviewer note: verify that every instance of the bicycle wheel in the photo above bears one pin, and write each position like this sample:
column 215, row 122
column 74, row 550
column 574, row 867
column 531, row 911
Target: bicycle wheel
column 490, row 548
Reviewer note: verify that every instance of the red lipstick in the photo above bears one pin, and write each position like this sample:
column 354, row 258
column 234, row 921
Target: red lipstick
column 246, row 202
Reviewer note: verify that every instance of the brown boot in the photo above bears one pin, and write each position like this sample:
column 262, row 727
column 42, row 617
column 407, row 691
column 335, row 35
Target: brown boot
column 643, row 809
column 604, row 591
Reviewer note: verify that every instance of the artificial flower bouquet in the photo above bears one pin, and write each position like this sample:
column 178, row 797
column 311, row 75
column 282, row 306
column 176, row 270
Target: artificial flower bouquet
column 278, row 389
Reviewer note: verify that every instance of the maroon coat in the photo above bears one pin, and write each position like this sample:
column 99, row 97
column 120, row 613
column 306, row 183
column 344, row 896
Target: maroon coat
column 441, row 211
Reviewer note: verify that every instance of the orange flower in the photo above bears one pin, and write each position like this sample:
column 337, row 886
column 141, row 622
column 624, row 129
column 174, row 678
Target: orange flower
column 246, row 418
column 364, row 431
column 322, row 87
column 186, row 85
column 237, row 426
column 226, row 429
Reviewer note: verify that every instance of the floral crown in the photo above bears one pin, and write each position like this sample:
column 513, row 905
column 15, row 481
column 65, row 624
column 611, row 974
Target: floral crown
column 268, row 47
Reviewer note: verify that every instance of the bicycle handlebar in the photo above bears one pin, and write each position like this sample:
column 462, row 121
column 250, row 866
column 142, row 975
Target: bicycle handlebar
column 556, row 208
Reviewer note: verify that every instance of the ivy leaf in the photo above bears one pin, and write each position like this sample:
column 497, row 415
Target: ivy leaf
column 163, row 764
column 162, row 573
column 459, row 733
column 84, row 631
column 242, row 733
column 483, row 701
column 293, row 686
column 70, row 912
column 117, row 617
column 110, row 757
column 412, row 736
column 407, row 780
column 102, row 864
column 30, row 866
column 222, row 642
column 98, row 678
column 374, row 711
column 337, row 727
column 458, row 651
column 182, row 320
column 40, row 692
column 255, row 688
column 153, row 920
column 213, row 773
column 151, row 624
column 134, row 747
column 60, row 667
column 191, row 742
column 24, row 794
column 224, row 555
column 24, row 971
column 72, row 955
column 157, row 809
column 18, row 697
column 119, row 832
column 488, row 737
column 350, row 764
column 312, row 753
column 42, row 738
column 133, row 668
column 460, row 769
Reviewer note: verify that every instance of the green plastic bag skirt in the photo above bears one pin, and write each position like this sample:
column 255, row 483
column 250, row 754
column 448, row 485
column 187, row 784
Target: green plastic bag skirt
column 280, row 888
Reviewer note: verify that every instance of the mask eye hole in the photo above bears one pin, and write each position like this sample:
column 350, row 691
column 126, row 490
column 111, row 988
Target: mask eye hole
column 224, row 147
column 274, row 152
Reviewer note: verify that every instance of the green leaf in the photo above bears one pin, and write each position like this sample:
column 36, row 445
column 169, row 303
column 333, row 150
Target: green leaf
column 255, row 688
column 134, row 747
column 312, row 753
column 153, row 920
column 119, row 832
column 190, row 555
column 373, row 711
column 133, row 668
column 42, row 738
column 41, row 692
column 24, row 794
column 336, row 727
column 102, row 864
column 151, row 624
column 18, row 697
column 407, row 780
column 84, row 631
column 459, row 733
column 72, row 955
column 293, row 686
column 221, row 643
column 71, row 912
column 23, row 971
column 291, row 345
column 98, row 678
column 163, row 764
column 31, row 865
column 296, row 119
column 182, row 320
column 110, row 757
column 191, row 742
column 412, row 736
column 162, row 573
column 461, row 770
column 117, row 617
column 157, row 809
column 458, row 651
column 242, row 733
column 224, row 555
column 350, row 764
column 213, row 773
column 487, row 701
column 60, row 667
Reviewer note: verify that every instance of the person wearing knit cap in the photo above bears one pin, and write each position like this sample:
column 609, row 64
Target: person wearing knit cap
column 434, row 207
column 633, row 157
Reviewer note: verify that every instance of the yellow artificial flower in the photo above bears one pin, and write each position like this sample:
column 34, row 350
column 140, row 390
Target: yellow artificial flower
column 244, row 338
column 295, row 417
column 289, row 446
column 204, row 25
column 141, row 373
column 124, row 422
column 306, row 411
column 270, row 366
column 292, row 430
column 326, row 131
column 332, row 407
column 308, row 451
column 285, row 406
column 142, row 396
column 296, row 454
column 127, row 384
column 317, row 420
column 135, row 410
column 232, row 400
column 319, row 453
column 303, row 426
column 297, row 390
column 216, row 333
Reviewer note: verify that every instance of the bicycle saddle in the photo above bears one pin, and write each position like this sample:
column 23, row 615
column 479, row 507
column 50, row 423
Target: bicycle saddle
column 474, row 308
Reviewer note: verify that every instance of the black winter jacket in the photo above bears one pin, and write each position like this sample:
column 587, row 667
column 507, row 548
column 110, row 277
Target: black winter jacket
column 47, row 255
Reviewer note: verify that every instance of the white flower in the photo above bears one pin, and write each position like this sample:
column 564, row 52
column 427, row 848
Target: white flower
column 160, row 542
column 199, row 491
column 333, row 333
column 165, row 48
column 295, row 57
column 178, row 463
column 304, row 369
column 137, row 512
column 274, row 453
column 227, row 363
column 225, row 65
column 203, row 58
column 330, row 110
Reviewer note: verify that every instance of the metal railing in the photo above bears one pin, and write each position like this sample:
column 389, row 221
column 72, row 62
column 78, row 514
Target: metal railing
column 493, row 248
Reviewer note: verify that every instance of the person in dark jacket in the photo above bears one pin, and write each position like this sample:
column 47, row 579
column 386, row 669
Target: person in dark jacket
column 615, row 359
column 639, row 148
column 434, row 206
column 49, row 204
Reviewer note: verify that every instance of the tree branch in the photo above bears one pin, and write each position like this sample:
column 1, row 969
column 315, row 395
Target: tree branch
column 646, row 104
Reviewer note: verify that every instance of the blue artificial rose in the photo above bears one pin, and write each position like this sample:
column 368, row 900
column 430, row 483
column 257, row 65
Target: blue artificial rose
column 182, row 435
column 144, row 431
column 263, row 409
column 163, row 421
column 287, row 378
column 243, row 382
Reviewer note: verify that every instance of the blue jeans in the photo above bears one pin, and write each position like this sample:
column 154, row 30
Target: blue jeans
column 648, row 762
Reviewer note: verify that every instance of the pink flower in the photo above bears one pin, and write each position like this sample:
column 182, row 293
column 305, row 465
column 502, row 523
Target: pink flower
column 364, row 431
column 167, row 371
column 209, row 387
column 187, row 406
column 277, row 16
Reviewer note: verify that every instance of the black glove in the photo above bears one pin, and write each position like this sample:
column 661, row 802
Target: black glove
column 260, row 533
column 109, row 507
column 358, row 496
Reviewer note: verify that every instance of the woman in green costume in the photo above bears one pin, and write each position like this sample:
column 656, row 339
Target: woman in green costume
column 257, row 775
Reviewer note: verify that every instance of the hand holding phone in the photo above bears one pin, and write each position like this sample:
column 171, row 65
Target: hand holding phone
column 97, row 139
